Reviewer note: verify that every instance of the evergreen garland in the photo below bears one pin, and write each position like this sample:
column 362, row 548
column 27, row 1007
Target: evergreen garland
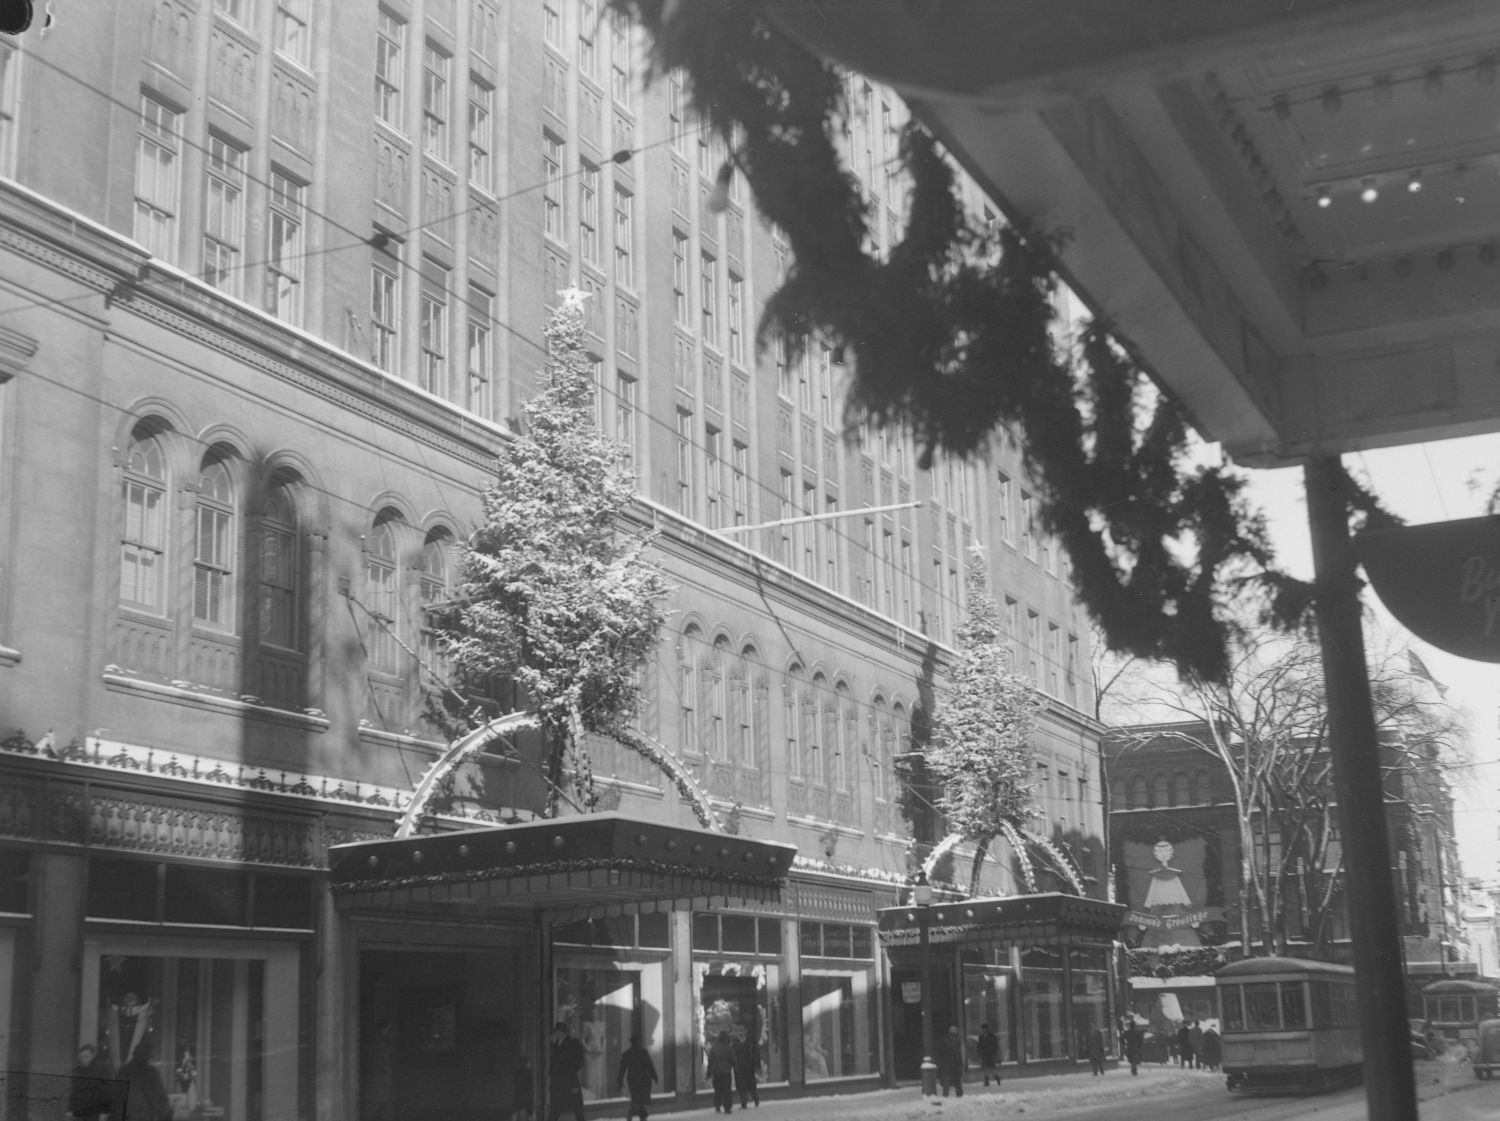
column 951, row 336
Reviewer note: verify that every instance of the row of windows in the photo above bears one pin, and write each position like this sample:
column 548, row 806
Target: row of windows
column 1162, row 790
column 248, row 574
column 222, row 255
column 291, row 24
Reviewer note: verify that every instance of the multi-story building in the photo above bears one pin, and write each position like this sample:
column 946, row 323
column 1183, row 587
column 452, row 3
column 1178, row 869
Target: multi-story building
column 1176, row 845
column 274, row 283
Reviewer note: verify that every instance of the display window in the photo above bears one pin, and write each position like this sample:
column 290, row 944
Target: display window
column 217, row 1021
column 737, row 979
column 1043, row 1031
column 603, row 1008
column 1089, row 978
column 840, row 1038
column 987, row 1000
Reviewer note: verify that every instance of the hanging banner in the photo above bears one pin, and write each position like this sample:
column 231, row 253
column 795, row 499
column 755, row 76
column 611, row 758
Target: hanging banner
column 1441, row 581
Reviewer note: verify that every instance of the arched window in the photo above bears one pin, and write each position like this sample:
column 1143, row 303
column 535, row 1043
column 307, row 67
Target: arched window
column 748, row 717
column 848, row 738
column 688, row 653
column 1180, row 793
column 143, row 544
column 881, row 738
column 277, row 605
column 1139, row 797
column 1117, row 795
column 719, row 693
column 1158, row 791
column 381, row 600
column 827, row 731
column 213, row 551
column 794, row 698
column 433, row 585
column 1202, row 788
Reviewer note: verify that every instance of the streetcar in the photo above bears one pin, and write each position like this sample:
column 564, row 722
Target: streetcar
column 1289, row 1025
column 1455, row 1008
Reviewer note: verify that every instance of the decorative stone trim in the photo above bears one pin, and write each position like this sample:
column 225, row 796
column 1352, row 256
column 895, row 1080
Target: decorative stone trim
column 311, row 720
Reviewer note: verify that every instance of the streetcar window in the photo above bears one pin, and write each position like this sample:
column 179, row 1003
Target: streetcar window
column 1293, row 1005
column 1261, row 1012
column 1322, row 1004
column 1233, row 1008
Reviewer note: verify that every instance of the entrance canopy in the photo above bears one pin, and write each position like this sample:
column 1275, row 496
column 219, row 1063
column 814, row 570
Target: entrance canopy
column 1290, row 211
column 1023, row 920
column 596, row 864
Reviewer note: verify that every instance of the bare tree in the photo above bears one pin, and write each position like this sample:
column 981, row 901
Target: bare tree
column 1266, row 726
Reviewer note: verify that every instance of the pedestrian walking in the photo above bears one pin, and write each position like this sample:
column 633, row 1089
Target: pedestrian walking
column 988, row 1049
column 1133, row 1039
column 746, row 1053
column 1095, row 1044
column 721, row 1072
column 637, row 1072
column 145, row 1093
column 1213, row 1048
column 564, row 1068
column 1184, row 1046
column 522, row 1090
column 90, row 1091
column 950, row 1063
column 1195, row 1043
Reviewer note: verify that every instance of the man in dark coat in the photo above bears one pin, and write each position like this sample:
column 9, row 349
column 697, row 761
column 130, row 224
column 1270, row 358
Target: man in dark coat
column 145, row 1093
column 91, row 1092
column 987, row 1046
column 1094, row 1044
column 1133, row 1039
column 637, row 1072
column 564, row 1068
column 950, row 1062
column 721, row 1072
column 1185, row 1045
column 746, row 1069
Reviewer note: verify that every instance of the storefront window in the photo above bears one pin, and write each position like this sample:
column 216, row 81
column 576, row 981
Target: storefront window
column 987, row 1001
column 602, row 1007
column 743, row 998
column 839, row 1035
column 219, row 1021
column 1090, row 979
column 1042, row 1031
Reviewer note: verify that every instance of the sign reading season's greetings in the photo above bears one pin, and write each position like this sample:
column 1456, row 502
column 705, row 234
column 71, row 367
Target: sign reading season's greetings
column 1442, row 581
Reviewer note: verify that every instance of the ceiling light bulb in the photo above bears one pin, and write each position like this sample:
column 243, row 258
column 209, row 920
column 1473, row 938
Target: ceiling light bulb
column 1325, row 200
column 1414, row 181
column 1370, row 193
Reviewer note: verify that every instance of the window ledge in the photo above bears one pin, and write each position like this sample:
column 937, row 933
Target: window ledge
column 9, row 656
column 118, row 681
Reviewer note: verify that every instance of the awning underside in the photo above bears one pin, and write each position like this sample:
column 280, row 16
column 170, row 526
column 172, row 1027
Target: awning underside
column 1025, row 920
column 597, row 864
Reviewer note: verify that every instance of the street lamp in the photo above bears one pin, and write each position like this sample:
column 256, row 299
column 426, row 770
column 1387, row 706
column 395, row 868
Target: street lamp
column 922, row 896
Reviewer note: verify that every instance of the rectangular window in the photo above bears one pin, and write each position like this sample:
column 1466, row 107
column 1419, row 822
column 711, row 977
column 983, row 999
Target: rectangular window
column 241, row 11
column 741, row 483
column 385, row 317
column 625, row 413
column 436, row 68
column 680, row 311
column 1028, row 527
column 432, row 371
column 1034, row 646
column 621, row 64
column 481, row 134
column 713, row 483
column 293, row 30
column 211, row 565
column 158, row 179
column 552, row 24
column 481, row 353
column 787, row 509
column 736, row 319
column 676, row 111
column 588, row 212
column 224, row 215
column 908, row 585
column 684, row 463
column 278, row 585
column 831, row 543
column 888, row 570
column 144, row 544
column 588, row 30
column 390, row 43
column 709, row 297
column 1002, row 508
column 807, row 532
column 624, row 237
column 284, row 248
column 552, row 186
column 10, row 78
column 825, row 384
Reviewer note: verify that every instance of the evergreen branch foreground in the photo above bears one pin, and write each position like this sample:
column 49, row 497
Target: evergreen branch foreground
column 951, row 336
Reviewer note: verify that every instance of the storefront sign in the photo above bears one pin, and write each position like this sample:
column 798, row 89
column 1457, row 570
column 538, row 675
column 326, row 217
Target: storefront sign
column 911, row 992
column 1442, row 581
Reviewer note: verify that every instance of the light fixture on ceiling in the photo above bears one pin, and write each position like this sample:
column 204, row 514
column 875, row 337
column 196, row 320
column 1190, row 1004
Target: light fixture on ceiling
column 1325, row 200
column 1369, row 192
column 1414, row 180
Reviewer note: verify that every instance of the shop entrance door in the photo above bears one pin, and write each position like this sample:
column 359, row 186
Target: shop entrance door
column 906, row 1014
column 439, row 1034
